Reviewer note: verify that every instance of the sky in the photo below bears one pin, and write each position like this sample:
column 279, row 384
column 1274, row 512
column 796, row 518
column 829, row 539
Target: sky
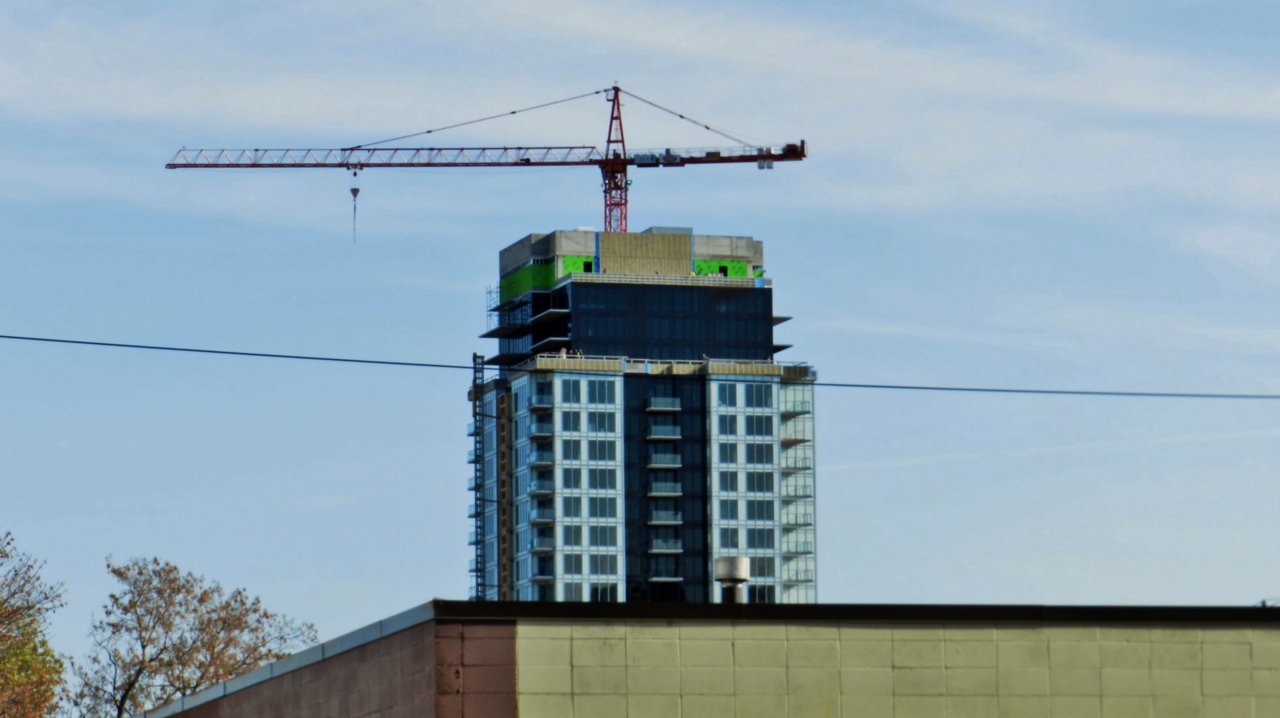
column 1057, row 195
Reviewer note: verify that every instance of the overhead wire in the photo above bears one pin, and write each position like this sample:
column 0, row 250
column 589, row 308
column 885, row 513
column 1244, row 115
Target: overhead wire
column 830, row 384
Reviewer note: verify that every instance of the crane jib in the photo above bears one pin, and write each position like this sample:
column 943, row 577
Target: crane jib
column 365, row 158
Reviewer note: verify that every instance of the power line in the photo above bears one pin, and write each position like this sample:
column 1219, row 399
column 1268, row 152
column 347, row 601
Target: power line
column 831, row 384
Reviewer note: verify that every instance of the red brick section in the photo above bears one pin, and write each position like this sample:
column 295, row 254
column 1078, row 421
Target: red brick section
column 475, row 669
column 438, row 669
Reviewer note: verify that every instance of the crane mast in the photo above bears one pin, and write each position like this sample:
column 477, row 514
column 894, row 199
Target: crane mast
column 613, row 162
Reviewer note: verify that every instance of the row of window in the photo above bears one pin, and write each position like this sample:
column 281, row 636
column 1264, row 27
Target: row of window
column 599, row 391
column 601, row 479
column 757, row 510
column 752, row 454
column 596, row 535
column 755, row 396
column 598, row 507
column 752, row 425
column 597, row 450
column 597, row 421
column 598, row 564
column 600, row 592
column 756, row 538
column 757, row 481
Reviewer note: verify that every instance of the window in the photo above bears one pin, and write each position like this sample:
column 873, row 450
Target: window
column 728, row 538
column 600, row 391
column 571, row 449
column 663, row 566
column 602, row 450
column 603, row 535
column 571, row 506
column 759, row 425
column 604, row 565
column 605, row 593
column 760, row 510
column 602, row 421
column 759, row 481
column 727, row 395
column 728, row 425
column 728, row 509
column 571, row 478
column 759, row 396
column 573, row 592
column 602, row 479
column 571, row 420
column 571, row 391
column 759, row 538
column 572, row 535
column 728, row 453
column 728, row 481
column 573, row 564
column 759, row 453
column 762, row 567
column 604, row 507
column 761, row 594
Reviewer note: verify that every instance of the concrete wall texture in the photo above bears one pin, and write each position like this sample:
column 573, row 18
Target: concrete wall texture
column 768, row 669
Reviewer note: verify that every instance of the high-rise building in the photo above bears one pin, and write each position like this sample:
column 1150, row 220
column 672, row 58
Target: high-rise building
column 638, row 426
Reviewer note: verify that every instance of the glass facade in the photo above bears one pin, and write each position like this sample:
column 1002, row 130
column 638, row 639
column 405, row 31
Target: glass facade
column 639, row 428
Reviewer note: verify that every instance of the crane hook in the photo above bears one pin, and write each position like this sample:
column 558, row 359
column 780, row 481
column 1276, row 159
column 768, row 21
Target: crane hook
column 355, row 193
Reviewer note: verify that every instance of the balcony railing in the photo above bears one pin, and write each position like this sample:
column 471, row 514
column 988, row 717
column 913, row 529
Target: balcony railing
column 664, row 403
column 796, row 490
column 797, row 576
column 541, row 401
column 541, row 428
column 657, row 460
column 665, row 517
column 797, row 518
column 473, row 457
column 542, row 515
column 543, row 542
column 542, row 457
column 666, row 545
column 796, row 407
column 541, row 486
column 797, row 547
column 672, row 488
column 664, row 432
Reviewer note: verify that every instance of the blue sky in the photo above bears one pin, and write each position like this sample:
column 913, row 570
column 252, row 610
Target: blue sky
column 998, row 194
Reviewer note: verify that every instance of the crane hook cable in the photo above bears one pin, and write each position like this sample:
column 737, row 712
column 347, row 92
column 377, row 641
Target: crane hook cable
column 482, row 119
column 686, row 118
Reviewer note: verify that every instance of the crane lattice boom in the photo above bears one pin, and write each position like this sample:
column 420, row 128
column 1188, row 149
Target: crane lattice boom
column 613, row 162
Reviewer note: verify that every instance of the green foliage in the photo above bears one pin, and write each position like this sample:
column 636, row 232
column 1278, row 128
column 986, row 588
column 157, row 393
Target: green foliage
column 30, row 672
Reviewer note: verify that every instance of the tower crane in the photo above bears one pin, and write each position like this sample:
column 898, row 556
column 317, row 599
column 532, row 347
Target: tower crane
column 614, row 161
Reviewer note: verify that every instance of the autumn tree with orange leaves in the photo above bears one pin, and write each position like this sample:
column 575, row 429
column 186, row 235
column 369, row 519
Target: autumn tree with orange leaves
column 166, row 634
column 30, row 672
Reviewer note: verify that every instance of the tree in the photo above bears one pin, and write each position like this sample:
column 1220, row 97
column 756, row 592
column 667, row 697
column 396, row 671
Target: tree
column 30, row 672
column 167, row 634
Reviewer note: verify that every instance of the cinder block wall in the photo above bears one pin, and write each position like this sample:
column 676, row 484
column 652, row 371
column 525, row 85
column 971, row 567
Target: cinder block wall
column 687, row 668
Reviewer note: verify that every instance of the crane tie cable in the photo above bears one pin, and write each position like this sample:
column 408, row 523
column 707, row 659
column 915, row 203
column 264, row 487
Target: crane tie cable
column 686, row 118
column 472, row 122
column 836, row 385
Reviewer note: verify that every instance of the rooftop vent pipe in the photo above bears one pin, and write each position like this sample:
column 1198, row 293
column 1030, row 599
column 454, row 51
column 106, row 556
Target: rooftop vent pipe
column 732, row 573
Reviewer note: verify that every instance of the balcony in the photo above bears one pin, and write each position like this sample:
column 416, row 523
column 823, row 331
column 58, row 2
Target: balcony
column 542, row 544
column 794, row 576
column 663, row 403
column 541, row 401
column 543, row 458
column 541, row 429
column 665, row 488
column 797, row 547
column 473, row 482
column 666, row 546
column 663, row 433
column 658, row 518
column 796, row 490
column 472, row 538
column 541, row 486
column 664, row 461
column 666, row 579
column 796, row 408
column 473, row 510
column 473, row 457
column 471, row 428
column 794, row 440
column 797, row 518
column 792, row 464
column 542, row 515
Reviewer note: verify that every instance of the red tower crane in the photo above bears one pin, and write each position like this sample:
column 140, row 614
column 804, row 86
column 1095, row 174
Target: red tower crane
column 613, row 162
